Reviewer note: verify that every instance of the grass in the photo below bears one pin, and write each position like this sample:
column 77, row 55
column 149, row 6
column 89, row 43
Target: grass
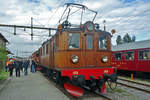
column 120, row 90
column 4, row 75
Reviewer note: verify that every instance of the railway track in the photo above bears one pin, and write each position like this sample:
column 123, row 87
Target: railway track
column 135, row 85
column 148, row 85
column 98, row 94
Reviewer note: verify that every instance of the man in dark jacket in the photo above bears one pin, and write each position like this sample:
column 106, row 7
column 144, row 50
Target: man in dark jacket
column 21, row 65
column 25, row 65
column 18, row 67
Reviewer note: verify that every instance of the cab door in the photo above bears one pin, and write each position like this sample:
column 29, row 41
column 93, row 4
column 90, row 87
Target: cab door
column 88, row 50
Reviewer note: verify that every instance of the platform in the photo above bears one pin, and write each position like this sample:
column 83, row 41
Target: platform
column 34, row 86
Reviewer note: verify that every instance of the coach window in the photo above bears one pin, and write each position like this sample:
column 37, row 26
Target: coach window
column 129, row 55
column 102, row 42
column 118, row 56
column 74, row 40
column 89, row 41
column 144, row 55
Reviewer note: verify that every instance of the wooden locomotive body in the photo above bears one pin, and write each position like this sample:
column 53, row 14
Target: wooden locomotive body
column 77, row 52
column 80, row 56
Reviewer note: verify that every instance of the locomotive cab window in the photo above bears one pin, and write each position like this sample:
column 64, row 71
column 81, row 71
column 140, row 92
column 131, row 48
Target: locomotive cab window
column 102, row 42
column 47, row 49
column 89, row 41
column 129, row 55
column 74, row 40
column 57, row 43
column 144, row 55
column 118, row 56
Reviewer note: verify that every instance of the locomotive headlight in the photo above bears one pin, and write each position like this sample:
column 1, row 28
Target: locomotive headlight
column 75, row 59
column 105, row 59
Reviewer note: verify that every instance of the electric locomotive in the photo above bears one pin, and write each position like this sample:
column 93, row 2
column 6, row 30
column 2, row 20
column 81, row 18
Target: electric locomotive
column 78, row 56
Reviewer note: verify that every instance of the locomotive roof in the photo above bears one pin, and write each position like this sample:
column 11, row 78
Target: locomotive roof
column 133, row 45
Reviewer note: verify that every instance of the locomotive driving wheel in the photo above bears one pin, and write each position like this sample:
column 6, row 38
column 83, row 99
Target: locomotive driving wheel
column 55, row 76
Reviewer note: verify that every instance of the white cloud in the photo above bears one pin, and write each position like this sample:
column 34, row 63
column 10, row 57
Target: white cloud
column 132, row 18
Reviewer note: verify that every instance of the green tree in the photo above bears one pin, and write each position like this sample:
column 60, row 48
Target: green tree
column 127, row 38
column 119, row 40
column 3, row 56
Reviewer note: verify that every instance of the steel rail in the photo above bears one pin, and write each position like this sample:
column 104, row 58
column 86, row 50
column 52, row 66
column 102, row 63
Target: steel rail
column 106, row 97
column 147, row 91
column 103, row 96
column 134, row 82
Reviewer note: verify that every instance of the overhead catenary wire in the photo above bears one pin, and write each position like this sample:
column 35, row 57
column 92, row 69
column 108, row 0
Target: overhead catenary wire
column 21, row 33
column 52, row 15
column 38, row 22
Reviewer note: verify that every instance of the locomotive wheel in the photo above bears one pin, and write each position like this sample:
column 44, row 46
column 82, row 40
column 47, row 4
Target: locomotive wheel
column 92, row 86
column 56, row 76
column 47, row 72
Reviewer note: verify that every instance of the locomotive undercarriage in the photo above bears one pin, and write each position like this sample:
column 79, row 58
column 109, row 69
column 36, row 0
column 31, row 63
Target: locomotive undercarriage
column 93, row 83
column 78, row 82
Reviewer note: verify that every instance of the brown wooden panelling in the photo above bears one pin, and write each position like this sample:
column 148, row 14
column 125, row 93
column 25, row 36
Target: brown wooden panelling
column 61, row 58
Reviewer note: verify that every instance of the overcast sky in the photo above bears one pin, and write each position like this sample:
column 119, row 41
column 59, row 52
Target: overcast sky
column 125, row 16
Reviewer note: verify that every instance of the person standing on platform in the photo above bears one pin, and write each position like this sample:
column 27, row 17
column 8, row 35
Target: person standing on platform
column 7, row 63
column 18, row 67
column 11, row 67
column 21, row 65
column 26, row 64
column 33, row 66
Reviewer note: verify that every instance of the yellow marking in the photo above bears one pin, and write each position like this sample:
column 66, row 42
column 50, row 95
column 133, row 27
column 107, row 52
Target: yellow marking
column 105, row 71
column 75, row 72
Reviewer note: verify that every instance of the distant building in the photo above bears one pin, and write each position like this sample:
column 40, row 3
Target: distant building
column 132, row 46
column 3, row 40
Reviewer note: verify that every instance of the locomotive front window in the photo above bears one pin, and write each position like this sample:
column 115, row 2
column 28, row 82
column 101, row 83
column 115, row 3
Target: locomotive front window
column 102, row 42
column 74, row 40
column 118, row 56
column 129, row 55
column 89, row 41
column 144, row 55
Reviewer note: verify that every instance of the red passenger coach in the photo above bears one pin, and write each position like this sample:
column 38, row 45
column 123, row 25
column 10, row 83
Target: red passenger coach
column 132, row 56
